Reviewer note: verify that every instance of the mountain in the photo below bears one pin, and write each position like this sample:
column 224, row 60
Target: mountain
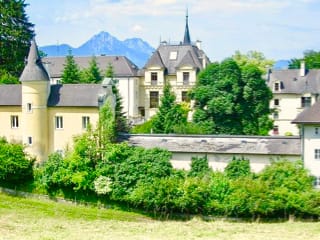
column 137, row 50
column 281, row 64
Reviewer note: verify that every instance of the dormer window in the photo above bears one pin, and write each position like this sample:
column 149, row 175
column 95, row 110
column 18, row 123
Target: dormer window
column 29, row 107
column 173, row 55
column 276, row 86
column 154, row 78
column 305, row 102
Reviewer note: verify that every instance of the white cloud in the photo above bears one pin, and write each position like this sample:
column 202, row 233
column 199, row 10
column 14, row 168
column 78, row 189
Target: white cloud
column 137, row 28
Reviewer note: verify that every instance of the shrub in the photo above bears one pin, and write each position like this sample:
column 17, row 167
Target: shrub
column 16, row 167
column 199, row 166
column 238, row 167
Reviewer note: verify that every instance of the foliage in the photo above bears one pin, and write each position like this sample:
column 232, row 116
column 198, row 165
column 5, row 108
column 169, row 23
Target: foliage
column 199, row 166
column 126, row 166
column 71, row 72
column 106, row 124
column 253, row 58
column 238, row 167
column 92, row 73
column 102, row 185
column 7, row 78
column 16, row 33
column 145, row 127
column 170, row 114
column 15, row 166
column 311, row 59
column 232, row 100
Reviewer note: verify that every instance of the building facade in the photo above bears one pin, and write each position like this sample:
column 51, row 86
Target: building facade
column 293, row 91
column 46, row 117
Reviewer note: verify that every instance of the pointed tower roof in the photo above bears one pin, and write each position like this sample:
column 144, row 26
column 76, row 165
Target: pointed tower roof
column 186, row 39
column 34, row 70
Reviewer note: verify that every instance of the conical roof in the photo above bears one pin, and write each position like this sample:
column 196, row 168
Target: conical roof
column 34, row 70
column 186, row 39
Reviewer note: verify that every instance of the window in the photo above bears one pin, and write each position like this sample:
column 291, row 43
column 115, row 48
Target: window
column 154, row 78
column 317, row 181
column 317, row 153
column 316, row 131
column 14, row 121
column 184, row 96
column 173, row 55
column 30, row 140
column 276, row 102
column 275, row 115
column 154, row 99
column 276, row 86
column 305, row 102
column 275, row 130
column 29, row 107
column 85, row 122
column 186, row 77
column 59, row 122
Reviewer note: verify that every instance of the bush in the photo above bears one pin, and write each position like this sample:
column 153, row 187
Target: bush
column 15, row 166
column 199, row 166
column 238, row 167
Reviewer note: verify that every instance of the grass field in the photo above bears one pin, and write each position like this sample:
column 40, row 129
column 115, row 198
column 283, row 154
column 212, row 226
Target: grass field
column 26, row 219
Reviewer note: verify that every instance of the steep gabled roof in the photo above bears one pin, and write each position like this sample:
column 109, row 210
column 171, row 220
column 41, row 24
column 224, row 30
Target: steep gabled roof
column 292, row 82
column 310, row 115
column 185, row 55
column 155, row 60
column 187, row 60
column 75, row 95
column 10, row 95
column 122, row 66
column 34, row 70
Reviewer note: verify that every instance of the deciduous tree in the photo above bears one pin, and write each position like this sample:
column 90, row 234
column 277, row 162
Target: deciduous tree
column 311, row 58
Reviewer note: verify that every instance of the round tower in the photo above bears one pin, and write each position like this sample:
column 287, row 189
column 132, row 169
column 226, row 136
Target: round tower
column 35, row 92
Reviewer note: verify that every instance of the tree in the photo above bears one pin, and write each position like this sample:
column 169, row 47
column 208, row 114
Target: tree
column 253, row 58
column 92, row 74
column 120, row 118
column 71, row 72
column 232, row 100
column 311, row 58
column 170, row 114
column 16, row 33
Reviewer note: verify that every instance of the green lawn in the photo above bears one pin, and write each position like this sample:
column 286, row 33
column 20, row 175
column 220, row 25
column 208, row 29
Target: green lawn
column 22, row 218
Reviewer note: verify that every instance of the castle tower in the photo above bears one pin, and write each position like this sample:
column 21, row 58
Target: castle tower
column 186, row 39
column 35, row 92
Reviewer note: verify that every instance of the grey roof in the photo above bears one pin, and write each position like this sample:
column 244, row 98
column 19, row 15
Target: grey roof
column 122, row 66
column 34, row 70
column 219, row 144
column 164, row 50
column 292, row 82
column 10, row 95
column 310, row 115
column 75, row 95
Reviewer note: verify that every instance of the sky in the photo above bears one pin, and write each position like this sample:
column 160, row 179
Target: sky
column 280, row 29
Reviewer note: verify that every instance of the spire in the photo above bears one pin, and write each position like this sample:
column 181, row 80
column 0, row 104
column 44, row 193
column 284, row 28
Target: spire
column 186, row 39
column 34, row 70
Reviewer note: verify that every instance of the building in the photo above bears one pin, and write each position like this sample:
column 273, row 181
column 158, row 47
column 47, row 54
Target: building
column 309, row 122
column 293, row 91
column 125, row 72
column 46, row 117
column 177, row 64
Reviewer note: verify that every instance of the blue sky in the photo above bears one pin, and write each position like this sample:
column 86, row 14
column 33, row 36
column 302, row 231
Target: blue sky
column 281, row 29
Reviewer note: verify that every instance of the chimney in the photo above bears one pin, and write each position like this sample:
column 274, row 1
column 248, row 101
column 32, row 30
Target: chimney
column 198, row 44
column 302, row 68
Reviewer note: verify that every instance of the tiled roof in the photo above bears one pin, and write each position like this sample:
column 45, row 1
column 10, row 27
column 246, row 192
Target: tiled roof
column 75, row 95
column 218, row 144
column 292, row 82
column 189, row 54
column 10, row 95
column 122, row 66
column 309, row 115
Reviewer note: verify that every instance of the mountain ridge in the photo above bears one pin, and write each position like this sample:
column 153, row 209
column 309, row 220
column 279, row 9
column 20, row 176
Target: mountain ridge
column 103, row 43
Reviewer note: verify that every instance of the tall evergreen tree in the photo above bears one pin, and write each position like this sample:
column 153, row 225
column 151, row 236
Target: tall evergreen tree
column 170, row 114
column 120, row 118
column 16, row 33
column 71, row 72
column 91, row 74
